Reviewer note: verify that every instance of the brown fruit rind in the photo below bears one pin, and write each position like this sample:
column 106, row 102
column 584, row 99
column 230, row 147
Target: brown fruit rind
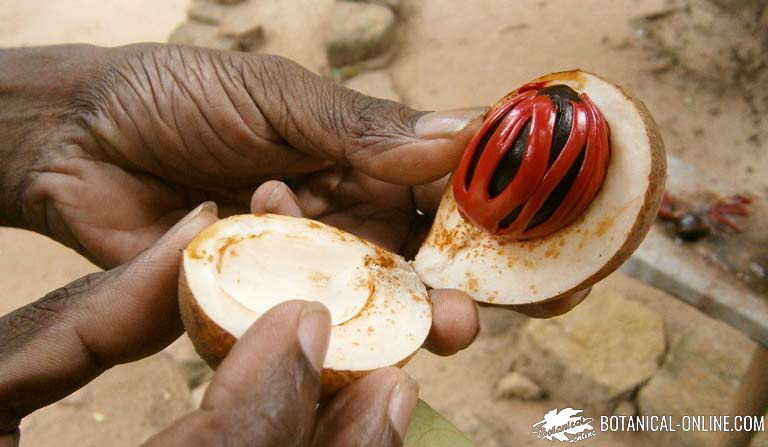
column 211, row 342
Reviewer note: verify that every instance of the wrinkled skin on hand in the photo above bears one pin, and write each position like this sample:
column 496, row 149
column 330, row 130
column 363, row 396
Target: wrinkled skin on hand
column 154, row 130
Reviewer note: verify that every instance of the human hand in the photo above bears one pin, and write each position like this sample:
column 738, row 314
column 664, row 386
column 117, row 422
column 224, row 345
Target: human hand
column 265, row 392
column 129, row 139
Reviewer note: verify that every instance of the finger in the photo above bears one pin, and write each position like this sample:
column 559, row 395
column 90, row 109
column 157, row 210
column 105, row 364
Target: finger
column 555, row 307
column 266, row 390
column 455, row 321
column 59, row 343
column 384, row 139
column 10, row 440
column 375, row 410
column 277, row 198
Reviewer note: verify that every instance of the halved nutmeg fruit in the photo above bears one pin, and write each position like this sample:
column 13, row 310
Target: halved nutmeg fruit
column 554, row 192
column 242, row 266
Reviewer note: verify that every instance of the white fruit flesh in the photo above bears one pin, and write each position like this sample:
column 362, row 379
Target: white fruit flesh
column 244, row 265
column 458, row 255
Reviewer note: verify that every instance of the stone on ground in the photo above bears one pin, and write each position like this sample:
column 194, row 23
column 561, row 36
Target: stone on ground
column 699, row 376
column 245, row 29
column 596, row 354
column 375, row 83
column 761, row 438
column 202, row 35
column 394, row 4
column 625, row 408
column 359, row 31
column 208, row 12
column 193, row 368
column 516, row 385
column 711, row 38
column 294, row 29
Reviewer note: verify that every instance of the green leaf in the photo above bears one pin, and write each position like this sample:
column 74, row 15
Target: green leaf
column 430, row 429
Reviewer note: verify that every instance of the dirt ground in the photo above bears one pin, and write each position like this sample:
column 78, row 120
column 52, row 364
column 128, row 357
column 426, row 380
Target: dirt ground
column 104, row 22
column 468, row 54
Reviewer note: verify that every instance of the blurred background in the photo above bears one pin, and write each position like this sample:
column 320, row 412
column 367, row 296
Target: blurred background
column 679, row 331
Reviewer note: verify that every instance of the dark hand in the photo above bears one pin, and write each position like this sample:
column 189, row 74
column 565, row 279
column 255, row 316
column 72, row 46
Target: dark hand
column 265, row 393
column 128, row 140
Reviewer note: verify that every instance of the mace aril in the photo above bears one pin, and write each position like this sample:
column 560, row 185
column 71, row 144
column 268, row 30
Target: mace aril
column 535, row 165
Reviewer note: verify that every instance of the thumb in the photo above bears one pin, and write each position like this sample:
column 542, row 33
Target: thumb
column 383, row 139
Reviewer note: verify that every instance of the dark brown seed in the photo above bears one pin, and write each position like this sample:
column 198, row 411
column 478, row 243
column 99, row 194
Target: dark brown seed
column 691, row 227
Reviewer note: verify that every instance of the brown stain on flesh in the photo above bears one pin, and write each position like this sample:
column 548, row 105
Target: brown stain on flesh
column 381, row 259
column 344, row 236
column 552, row 252
column 604, row 225
column 370, row 284
column 455, row 240
column 193, row 249
column 416, row 297
column 320, row 278
column 196, row 253
column 231, row 240
column 472, row 283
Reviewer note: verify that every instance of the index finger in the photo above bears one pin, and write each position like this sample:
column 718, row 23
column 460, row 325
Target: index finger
column 383, row 139
column 56, row 345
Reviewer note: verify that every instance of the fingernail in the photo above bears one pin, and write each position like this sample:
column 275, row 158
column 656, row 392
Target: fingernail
column 402, row 402
column 282, row 200
column 313, row 332
column 274, row 196
column 446, row 124
column 209, row 207
column 205, row 207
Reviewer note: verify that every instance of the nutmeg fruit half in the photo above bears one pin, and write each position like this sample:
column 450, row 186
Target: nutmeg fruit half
column 556, row 190
column 242, row 266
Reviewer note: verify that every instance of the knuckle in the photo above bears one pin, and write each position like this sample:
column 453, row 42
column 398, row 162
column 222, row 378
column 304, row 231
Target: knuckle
column 371, row 124
column 22, row 324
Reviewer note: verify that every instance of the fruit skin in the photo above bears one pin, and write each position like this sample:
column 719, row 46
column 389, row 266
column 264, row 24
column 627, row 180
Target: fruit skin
column 211, row 342
column 563, row 301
